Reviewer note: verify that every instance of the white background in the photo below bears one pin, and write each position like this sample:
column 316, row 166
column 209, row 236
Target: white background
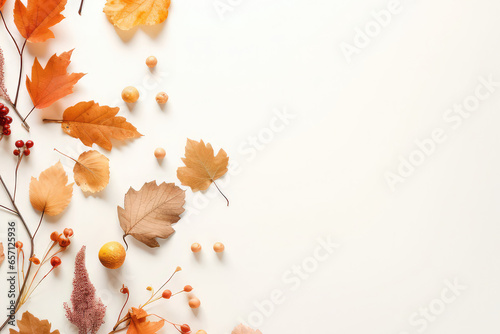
column 322, row 175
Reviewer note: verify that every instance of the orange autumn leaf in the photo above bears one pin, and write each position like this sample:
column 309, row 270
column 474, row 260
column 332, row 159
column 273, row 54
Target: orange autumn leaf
column 33, row 21
column 126, row 14
column 202, row 166
column 51, row 194
column 140, row 325
column 49, row 84
column 95, row 124
column 2, row 3
column 29, row 324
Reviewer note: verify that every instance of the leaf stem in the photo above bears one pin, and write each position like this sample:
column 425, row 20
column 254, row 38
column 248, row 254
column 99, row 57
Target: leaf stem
column 221, row 192
column 24, row 119
column 67, row 156
column 39, row 223
column 20, row 71
column 48, row 120
column 81, row 7
column 10, row 34
column 15, row 174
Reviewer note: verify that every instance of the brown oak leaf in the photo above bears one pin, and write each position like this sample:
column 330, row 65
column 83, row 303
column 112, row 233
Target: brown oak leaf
column 49, row 84
column 50, row 193
column 150, row 212
column 242, row 329
column 35, row 20
column 92, row 123
column 29, row 324
column 126, row 14
column 91, row 171
column 140, row 325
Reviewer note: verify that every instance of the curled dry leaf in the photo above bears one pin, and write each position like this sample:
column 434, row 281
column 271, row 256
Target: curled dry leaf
column 35, row 20
column 150, row 212
column 49, row 84
column 2, row 254
column 91, row 171
column 50, row 193
column 140, row 325
column 29, row 324
column 3, row 90
column 126, row 14
column 242, row 329
column 92, row 123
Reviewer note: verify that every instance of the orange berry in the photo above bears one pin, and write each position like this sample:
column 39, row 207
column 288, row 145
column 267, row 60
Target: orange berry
column 166, row 294
column 160, row 153
column 19, row 244
column 151, row 61
column 219, row 247
column 124, row 289
column 196, row 247
column 188, row 288
column 130, row 94
column 194, row 302
column 64, row 242
column 35, row 260
column 112, row 255
column 161, row 98
column 185, row 328
column 55, row 261
column 68, row 232
column 54, row 236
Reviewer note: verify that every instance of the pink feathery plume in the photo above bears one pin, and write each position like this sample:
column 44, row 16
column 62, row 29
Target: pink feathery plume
column 3, row 90
column 87, row 312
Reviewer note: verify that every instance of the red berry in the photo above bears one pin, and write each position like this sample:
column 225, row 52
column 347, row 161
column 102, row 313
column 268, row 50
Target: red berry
column 185, row 328
column 19, row 143
column 4, row 111
column 166, row 294
column 63, row 242
column 7, row 132
column 6, row 127
column 16, row 152
column 26, row 152
column 8, row 119
column 3, row 121
column 55, row 261
column 1, row 105
column 29, row 144
column 68, row 233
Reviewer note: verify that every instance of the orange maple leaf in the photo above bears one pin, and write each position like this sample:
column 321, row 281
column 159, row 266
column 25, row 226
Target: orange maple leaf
column 2, row 3
column 33, row 21
column 140, row 325
column 49, row 84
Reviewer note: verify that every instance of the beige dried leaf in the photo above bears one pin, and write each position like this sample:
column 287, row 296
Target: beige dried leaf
column 242, row 329
column 91, row 171
column 50, row 193
column 150, row 212
column 29, row 324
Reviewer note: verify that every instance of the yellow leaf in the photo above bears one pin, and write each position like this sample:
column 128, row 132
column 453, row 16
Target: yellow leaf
column 91, row 171
column 50, row 193
column 126, row 14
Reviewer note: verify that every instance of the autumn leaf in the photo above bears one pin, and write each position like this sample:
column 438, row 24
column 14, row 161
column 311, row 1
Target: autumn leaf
column 150, row 212
column 50, row 193
column 91, row 171
column 2, row 254
column 242, row 329
column 49, row 84
column 140, row 325
column 34, row 21
column 29, row 324
column 2, row 3
column 92, row 123
column 126, row 14
column 202, row 166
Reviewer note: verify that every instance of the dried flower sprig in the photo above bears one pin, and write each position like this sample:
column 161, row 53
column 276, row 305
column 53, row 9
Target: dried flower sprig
column 59, row 242
column 136, row 317
column 87, row 311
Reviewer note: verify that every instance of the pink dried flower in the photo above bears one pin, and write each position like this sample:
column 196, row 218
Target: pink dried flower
column 87, row 312
column 3, row 90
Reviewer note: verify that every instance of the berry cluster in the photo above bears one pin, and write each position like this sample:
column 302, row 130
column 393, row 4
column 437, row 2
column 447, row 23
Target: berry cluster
column 23, row 148
column 5, row 120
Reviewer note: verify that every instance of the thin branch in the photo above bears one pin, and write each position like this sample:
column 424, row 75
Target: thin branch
column 15, row 175
column 81, row 7
column 39, row 223
column 221, row 192
column 10, row 34
column 48, row 120
column 8, row 209
column 24, row 119
column 10, row 316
